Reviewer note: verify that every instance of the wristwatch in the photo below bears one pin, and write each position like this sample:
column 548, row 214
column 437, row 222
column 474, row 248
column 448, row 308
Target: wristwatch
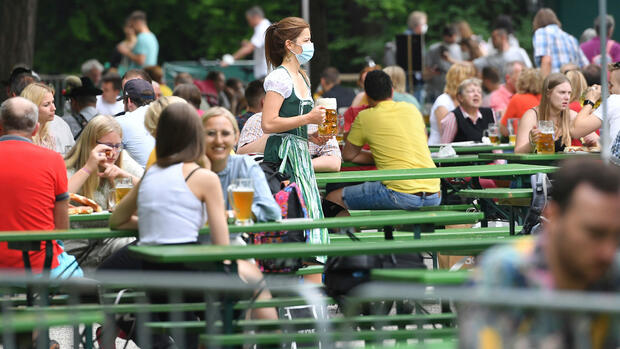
column 587, row 101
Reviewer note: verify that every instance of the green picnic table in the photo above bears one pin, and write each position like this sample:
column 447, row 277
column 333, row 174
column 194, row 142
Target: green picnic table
column 458, row 159
column 509, row 170
column 534, row 158
column 96, row 216
column 474, row 148
column 214, row 253
column 401, row 218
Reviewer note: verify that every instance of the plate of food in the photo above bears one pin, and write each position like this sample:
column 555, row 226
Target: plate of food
column 79, row 204
column 582, row 149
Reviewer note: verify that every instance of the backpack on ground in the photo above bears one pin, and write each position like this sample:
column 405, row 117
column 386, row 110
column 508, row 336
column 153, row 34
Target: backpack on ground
column 541, row 186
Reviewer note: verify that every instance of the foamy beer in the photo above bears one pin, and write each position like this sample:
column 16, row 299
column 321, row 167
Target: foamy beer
column 123, row 186
column 240, row 196
column 545, row 144
column 329, row 127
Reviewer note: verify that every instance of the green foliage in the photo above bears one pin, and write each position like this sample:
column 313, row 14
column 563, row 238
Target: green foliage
column 72, row 31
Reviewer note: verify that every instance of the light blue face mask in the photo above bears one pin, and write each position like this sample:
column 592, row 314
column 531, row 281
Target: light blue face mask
column 307, row 51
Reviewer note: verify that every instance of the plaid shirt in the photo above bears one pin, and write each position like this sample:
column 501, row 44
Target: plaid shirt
column 559, row 45
column 253, row 130
column 523, row 265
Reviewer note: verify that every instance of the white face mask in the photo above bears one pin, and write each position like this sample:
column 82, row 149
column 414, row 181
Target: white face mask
column 424, row 28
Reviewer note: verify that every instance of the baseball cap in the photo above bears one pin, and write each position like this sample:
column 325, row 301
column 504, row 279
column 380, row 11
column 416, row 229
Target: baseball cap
column 138, row 88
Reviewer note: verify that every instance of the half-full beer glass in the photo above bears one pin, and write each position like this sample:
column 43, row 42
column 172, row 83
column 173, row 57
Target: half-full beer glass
column 240, row 196
column 329, row 127
column 545, row 144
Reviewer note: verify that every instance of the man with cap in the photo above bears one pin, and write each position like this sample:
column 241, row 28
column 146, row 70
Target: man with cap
column 137, row 95
column 82, row 95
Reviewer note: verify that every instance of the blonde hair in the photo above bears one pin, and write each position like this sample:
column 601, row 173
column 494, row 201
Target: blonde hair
column 96, row 128
column 397, row 74
column 151, row 117
column 467, row 82
column 221, row 111
column 36, row 92
column 577, row 82
column 530, row 81
column 456, row 74
column 544, row 109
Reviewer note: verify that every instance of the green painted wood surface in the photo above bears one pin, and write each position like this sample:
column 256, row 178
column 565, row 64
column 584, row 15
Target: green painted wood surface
column 26, row 322
column 530, row 157
column 508, row 170
column 405, row 217
column 430, row 277
column 210, row 253
column 474, row 149
column 496, row 193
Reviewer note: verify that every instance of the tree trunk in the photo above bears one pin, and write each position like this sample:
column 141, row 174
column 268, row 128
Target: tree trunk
column 318, row 25
column 17, row 25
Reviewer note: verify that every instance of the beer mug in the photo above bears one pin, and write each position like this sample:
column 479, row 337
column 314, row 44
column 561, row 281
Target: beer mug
column 512, row 130
column 122, row 188
column 545, row 143
column 329, row 127
column 493, row 133
column 240, row 197
column 340, row 135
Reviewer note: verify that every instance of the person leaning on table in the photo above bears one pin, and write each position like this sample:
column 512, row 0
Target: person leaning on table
column 396, row 135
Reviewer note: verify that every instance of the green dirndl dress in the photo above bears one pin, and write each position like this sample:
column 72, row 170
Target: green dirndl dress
column 290, row 150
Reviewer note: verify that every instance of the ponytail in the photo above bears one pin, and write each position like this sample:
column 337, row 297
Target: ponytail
column 276, row 35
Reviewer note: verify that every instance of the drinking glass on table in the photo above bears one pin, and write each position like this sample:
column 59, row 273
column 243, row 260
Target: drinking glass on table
column 122, row 188
column 544, row 143
column 493, row 133
column 329, row 127
column 512, row 130
column 240, row 196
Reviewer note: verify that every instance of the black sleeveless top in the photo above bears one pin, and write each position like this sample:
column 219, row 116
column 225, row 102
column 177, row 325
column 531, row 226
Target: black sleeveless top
column 467, row 130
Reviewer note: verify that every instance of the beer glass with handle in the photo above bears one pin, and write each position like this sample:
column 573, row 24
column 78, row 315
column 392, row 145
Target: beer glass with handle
column 240, row 196
column 329, row 127
column 545, row 144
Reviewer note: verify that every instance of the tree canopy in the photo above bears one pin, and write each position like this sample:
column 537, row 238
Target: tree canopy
column 71, row 31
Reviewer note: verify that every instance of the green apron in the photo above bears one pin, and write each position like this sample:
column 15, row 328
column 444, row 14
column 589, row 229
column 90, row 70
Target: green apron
column 290, row 150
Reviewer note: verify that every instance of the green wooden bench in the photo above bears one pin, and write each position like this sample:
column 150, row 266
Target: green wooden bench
column 436, row 277
column 303, row 323
column 394, row 219
column 461, row 233
column 458, row 207
column 448, row 334
column 474, row 148
column 212, row 253
column 509, row 170
column 21, row 322
column 533, row 158
column 509, row 197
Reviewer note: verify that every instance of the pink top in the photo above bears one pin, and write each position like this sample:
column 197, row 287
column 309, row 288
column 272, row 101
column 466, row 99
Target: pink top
column 499, row 98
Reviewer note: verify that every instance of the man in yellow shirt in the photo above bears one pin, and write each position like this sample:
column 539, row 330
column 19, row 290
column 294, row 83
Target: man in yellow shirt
column 396, row 135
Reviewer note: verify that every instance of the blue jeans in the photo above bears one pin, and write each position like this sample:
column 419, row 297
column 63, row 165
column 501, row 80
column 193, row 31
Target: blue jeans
column 376, row 196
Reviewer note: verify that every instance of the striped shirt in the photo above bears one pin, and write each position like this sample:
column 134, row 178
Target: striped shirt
column 562, row 47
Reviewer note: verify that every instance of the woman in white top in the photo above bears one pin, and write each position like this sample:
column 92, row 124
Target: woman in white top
column 177, row 195
column 447, row 101
column 43, row 96
column 98, row 158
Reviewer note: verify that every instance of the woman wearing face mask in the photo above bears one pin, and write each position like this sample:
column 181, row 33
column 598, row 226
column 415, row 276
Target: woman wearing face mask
column 556, row 93
column 289, row 108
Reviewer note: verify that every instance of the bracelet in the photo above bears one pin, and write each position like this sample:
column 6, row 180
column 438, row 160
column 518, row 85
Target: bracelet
column 86, row 170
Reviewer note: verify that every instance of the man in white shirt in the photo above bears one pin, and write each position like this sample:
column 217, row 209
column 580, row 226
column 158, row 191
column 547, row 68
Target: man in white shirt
column 107, row 103
column 504, row 54
column 589, row 120
column 137, row 141
column 63, row 138
column 256, row 19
